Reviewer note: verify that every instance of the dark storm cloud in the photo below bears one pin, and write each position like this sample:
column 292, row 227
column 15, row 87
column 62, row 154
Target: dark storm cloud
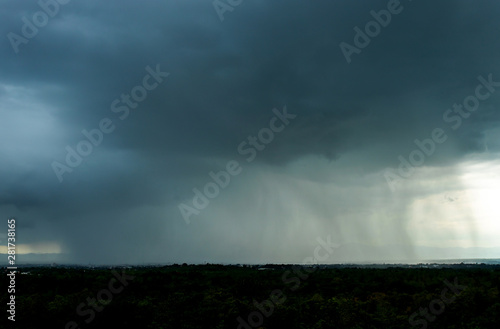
column 225, row 78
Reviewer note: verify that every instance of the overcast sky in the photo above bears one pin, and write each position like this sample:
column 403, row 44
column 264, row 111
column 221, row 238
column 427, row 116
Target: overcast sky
column 170, row 91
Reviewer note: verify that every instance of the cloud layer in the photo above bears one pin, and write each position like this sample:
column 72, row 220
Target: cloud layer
column 322, row 175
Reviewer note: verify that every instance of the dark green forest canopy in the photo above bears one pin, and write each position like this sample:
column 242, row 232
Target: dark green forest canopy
column 215, row 296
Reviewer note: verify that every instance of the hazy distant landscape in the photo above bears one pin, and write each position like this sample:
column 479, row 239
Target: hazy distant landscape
column 62, row 259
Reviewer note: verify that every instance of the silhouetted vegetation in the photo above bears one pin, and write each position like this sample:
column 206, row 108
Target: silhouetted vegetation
column 214, row 296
